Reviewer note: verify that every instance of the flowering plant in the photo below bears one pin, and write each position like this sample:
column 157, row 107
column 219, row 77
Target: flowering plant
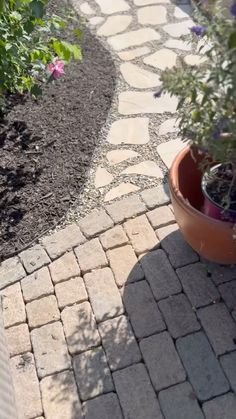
column 207, row 93
column 31, row 52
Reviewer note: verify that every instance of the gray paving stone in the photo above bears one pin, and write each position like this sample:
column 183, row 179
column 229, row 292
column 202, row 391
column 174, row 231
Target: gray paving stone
column 223, row 407
column 105, row 407
column 113, row 238
column 228, row 293
column 42, row 311
column 178, row 250
column 203, row 369
column 103, row 294
column 119, row 343
column 11, row 271
column 160, row 274
column 142, row 309
column 221, row 274
column 124, row 265
column 91, row 256
column 76, row 319
column 63, row 240
column 92, row 374
column 60, row 397
column 197, row 285
column 155, row 197
column 141, row 234
column 37, row 285
column 50, row 349
column 219, row 327
column 34, row 258
column 228, row 363
column 13, row 305
column 95, row 223
column 180, row 402
column 179, row 315
column 126, row 208
column 162, row 361
column 137, row 397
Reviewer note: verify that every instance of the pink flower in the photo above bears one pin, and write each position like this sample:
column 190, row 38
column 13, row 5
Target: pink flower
column 56, row 69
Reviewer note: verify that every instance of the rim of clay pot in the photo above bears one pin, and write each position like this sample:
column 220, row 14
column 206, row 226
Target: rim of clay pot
column 182, row 201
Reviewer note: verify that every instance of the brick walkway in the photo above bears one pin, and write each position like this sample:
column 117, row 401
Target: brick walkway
column 116, row 318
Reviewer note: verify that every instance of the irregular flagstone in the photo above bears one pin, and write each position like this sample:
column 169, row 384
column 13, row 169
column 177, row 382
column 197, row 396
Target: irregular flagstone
column 131, row 103
column 178, row 29
column 146, row 168
column 96, row 20
column 132, row 38
column 168, row 151
column 123, row 189
column 147, row 2
column 194, row 59
column 102, row 177
column 170, row 125
column 183, row 11
column 114, row 25
column 152, row 15
column 137, row 77
column 134, row 53
column 129, row 131
column 86, row 8
column 109, row 7
column 117, row 156
column 178, row 44
column 164, row 58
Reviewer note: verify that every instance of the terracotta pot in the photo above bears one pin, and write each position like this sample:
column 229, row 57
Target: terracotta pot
column 211, row 238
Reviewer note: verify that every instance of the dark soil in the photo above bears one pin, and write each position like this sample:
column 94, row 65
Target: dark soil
column 221, row 189
column 46, row 147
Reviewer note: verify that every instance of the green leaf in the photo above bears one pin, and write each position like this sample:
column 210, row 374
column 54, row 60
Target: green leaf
column 36, row 90
column 37, row 8
column 78, row 32
column 232, row 40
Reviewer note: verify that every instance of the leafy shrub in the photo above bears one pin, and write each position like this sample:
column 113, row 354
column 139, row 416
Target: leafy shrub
column 32, row 50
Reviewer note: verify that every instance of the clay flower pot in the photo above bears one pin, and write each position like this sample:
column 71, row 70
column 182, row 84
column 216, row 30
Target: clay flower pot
column 211, row 238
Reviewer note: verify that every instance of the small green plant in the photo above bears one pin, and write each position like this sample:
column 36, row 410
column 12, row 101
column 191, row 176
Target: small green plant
column 32, row 50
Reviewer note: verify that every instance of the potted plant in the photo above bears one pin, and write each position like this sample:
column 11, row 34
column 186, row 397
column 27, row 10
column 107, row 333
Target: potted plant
column 202, row 178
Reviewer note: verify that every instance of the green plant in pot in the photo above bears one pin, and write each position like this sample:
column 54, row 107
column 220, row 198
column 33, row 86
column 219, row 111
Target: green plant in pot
column 207, row 120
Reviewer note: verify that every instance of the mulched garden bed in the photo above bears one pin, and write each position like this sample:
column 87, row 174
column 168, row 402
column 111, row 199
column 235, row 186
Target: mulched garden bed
column 46, row 147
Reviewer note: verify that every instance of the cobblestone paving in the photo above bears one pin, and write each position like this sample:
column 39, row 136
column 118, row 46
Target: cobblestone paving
column 117, row 318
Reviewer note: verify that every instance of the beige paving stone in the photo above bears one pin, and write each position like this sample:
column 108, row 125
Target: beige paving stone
column 50, row 349
column 18, row 339
column 102, row 177
column 125, row 208
column 92, row 374
column 129, row 131
column 96, row 20
column 43, row 311
column 91, row 256
column 11, row 270
column 145, row 168
column 80, row 328
column 161, row 217
column 124, row 265
column 176, row 30
column 37, row 285
column 178, row 44
column 86, row 8
column 63, row 240
column 137, row 77
column 162, row 59
column 13, row 306
column 194, row 59
column 133, row 103
column 109, row 7
column 169, row 150
column 34, row 258
column 182, row 11
column 133, row 53
column 60, row 397
column 141, row 234
column 64, row 268
column 113, row 238
column 95, row 222
column 122, row 189
column 26, row 386
column 133, row 38
column 152, row 15
column 170, row 125
column 103, row 294
column 114, row 25
column 147, row 2
column 117, row 156
column 70, row 292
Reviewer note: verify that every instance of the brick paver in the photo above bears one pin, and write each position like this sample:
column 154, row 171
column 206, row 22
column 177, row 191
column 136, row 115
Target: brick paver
column 221, row 273
column 37, row 285
column 228, row 293
column 63, row 240
column 43, row 311
column 125, row 265
column 228, row 363
column 11, row 270
column 34, row 258
column 106, row 407
column 113, row 238
column 13, row 305
column 96, row 222
column 160, row 217
column 125, row 208
column 18, row 339
column 141, row 234
column 71, row 292
column 64, row 268
column 91, row 256
column 155, row 197
column 221, row 407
